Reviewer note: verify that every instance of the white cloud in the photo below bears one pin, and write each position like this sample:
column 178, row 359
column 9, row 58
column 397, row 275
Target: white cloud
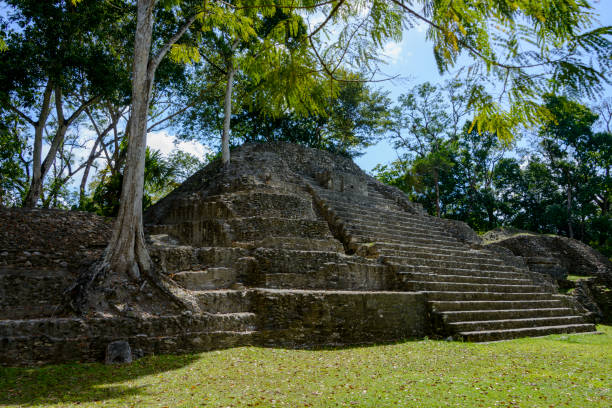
column 392, row 52
column 314, row 21
column 166, row 143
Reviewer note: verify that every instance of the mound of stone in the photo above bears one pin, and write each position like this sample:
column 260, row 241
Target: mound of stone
column 559, row 257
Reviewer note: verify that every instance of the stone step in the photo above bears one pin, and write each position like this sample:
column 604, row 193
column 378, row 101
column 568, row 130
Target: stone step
column 401, row 217
column 483, row 266
column 492, row 314
column 475, row 306
column 358, row 200
column 494, row 335
column 485, row 296
column 404, row 221
column 32, row 288
column 315, row 281
column 210, row 278
column 72, row 327
column 224, row 301
column 431, row 277
column 332, row 316
column 375, row 194
column 369, row 226
column 448, row 244
column 505, row 324
column 459, row 271
column 391, row 213
column 470, row 287
column 424, row 249
column 282, row 261
column 48, row 341
column 179, row 258
column 396, row 234
column 260, row 228
column 340, row 277
column 33, row 310
column 292, row 242
column 467, row 255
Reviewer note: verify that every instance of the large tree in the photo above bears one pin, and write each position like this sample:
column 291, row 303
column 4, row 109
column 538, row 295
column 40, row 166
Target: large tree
column 424, row 130
column 57, row 63
column 528, row 45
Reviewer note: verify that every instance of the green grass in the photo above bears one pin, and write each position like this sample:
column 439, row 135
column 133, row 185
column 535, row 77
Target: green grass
column 576, row 278
column 555, row 371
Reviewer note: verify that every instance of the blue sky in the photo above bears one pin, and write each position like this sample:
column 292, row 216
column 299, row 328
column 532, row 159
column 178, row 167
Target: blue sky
column 412, row 60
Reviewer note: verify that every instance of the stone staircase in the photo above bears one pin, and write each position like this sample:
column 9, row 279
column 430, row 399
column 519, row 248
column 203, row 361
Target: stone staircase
column 33, row 331
column 471, row 293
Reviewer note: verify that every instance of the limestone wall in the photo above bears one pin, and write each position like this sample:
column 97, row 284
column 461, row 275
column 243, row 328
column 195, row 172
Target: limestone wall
column 305, row 318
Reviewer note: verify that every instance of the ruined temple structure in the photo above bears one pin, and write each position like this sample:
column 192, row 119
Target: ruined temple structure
column 295, row 247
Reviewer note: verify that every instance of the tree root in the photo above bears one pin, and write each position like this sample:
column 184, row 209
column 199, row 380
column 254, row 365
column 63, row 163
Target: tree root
column 93, row 289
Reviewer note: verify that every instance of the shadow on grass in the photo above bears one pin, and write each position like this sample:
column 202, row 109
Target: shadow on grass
column 91, row 382
column 74, row 383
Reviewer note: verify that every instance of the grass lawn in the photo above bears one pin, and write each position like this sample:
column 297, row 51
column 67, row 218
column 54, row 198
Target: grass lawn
column 555, row 371
column 576, row 278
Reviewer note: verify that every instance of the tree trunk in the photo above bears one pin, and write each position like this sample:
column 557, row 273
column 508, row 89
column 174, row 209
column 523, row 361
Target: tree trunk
column 227, row 115
column 569, row 211
column 90, row 160
column 126, row 252
column 33, row 195
column 40, row 171
column 436, row 177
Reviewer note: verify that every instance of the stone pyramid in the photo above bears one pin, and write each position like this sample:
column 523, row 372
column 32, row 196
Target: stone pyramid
column 296, row 247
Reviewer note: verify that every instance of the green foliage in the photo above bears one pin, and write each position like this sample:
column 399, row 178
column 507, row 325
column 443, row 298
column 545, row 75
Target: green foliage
column 563, row 187
column 425, row 129
column 351, row 119
column 162, row 175
column 527, row 47
column 12, row 175
column 349, row 115
column 69, row 45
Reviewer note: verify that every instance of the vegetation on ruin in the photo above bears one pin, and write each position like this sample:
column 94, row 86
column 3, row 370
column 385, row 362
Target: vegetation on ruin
column 553, row 371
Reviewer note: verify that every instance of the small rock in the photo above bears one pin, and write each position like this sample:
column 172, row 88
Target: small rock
column 64, row 264
column 187, row 313
column 26, row 253
column 28, row 264
column 4, row 253
column 449, row 338
column 118, row 352
column 132, row 314
column 138, row 353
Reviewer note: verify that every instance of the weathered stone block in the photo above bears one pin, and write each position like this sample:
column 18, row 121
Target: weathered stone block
column 118, row 352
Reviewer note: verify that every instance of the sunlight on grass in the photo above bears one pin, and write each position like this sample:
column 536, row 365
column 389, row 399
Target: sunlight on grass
column 559, row 371
column 576, row 278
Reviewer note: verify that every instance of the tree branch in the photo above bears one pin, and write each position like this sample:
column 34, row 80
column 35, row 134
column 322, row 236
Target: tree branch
column 329, row 16
column 23, row 115
column 164, row 50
